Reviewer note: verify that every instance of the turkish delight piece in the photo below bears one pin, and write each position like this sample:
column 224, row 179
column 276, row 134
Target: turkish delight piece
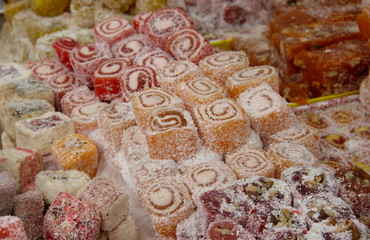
column 365, row 94
column 110, row 201
column 47, row 68
column 228, row 229
column 11, row 227
column 85, row 117
column 138, row 21
column 126, row 229
column 23, row 164
column 77, row 96
column 189, row 229
column 63, row 47
column 70, row 218
column 112, row 29
column 7, row 193
column 134, row 144
column 47, row 129
column 153, row 57
column 83, row 12
column 51, row 183
column 10, row 72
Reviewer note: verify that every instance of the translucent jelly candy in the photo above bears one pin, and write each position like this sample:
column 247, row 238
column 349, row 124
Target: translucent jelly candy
column 63, row 47
column 107, row 78
column 168, row 202
column 118, row 5
column 222, row 124
column 136, row 78
column 111, row 30
column 221, row 65
column 76, row 151
column 22, row 164
column 155, row 58
column 129, row 47
column 7, row 193
column 77, row 96
column 70, row 218
column 49, row 8
column 12, row 227
column 161, row 23
column 171, row 134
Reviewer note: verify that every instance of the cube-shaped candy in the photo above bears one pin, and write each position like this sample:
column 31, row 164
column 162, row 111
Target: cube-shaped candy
column 48, row 8
column 112, row 29
column 51, row 183
column 108, row 199
column 76, row 151
column 70, row 218
column 10, row 72
column 23, row 164
column 40, row 133
column 29, row 207
column 171, row 134
column 155, row 58
column 126, row 228
column 7, row 193
column 134, row 144
column 146, row 101
column 85, row 117
column 47, row 68
column 83, row 12
column 222, row 124
column 11, row 227
column 63, row 47
column 129, row 47
column 77, row 96
column 7, row 140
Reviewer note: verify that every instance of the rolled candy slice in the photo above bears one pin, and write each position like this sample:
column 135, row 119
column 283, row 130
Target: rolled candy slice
column 222, row 65
column 51, row 183
column 188, row 44
column 161, row 23
column 222, row 124
column 207, row 176
column 286, row 154
column 307, row 181
column 176, row 72
column 7, row 192
column 108, row 199
column 22, row 164
column 267, row 110
column 147, row 101
column 250, row 162
column 171, row 134
column 112, row 29
column 78, row 96
column 228, row 229
column 364, row 96
column 106, row 78
column 130, row 47
column 200, row 90
column 136, row 78
column 155, row 58
column 113, row 120
column 168, row 203
column 85, row 117
column 76, row 151
column 86, row 59
column 70, row 218
column 252, row 77
column 258, row 190
column 11, row 227
column 138, row 21
column 63, row 48
column 47, row 69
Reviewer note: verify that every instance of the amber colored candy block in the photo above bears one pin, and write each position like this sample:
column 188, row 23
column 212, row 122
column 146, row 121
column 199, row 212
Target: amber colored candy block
column 168, row 203
column 288, row 19
column 49, row 8
column 149, row 100
column 11, row 227
column 76, row 151
column 222, row 124
column 335, row 68
column 171, row 134
column 363, row 22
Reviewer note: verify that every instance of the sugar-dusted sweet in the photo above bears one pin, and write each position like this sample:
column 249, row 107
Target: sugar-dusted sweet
column 7, row 192
column 9, row 73
column 171, row 134
column 87, row 58
column 106, row 78
column 22, row 164
column 228, row 229
column 108, row 199
column 144, row 6
column 127, row 228
column 47, row 129
column 251, row 77
column 315, row 120
column 267, row 110
column 70, row 218
column 332, row 161
column 204, row 155
column 147, row 101
column 134, row 145
column 11, row 227
column 47, row 68
column 12, row 7
column 136, row 78
column 7, row 140
column 364, row 95
column 189, row 229
column 199, row 90
column 51, row 183
column 112, row 29
column 307, row 136
column 222, row 65
column 129, row 47
column 288, row 154
column 153, row 57
column 161, row 23
column 222, row 124
column 305, row 181
column 206, row 176
column 29, row 207
column 85, row 116
column 188, row 44
column 168, row 202
column 77, row 96
column 83, row 12
column 250, row 162
column 48, row 8
column 176, row 72
column 138, row 21
column 334, row 140
column 114, row 119
column 63, row 47
column 76, row 151
column 347, row 116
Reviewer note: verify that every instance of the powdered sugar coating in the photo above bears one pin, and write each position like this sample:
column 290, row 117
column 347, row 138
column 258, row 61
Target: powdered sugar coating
column 11, row 227
column 110, row 30
column 154, row 58
column 365, row 94
column 7, row 193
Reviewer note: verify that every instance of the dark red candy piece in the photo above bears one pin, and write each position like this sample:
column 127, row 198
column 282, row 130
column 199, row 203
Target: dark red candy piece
column 138, row 22
column 228, row 230
column 63, row 47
